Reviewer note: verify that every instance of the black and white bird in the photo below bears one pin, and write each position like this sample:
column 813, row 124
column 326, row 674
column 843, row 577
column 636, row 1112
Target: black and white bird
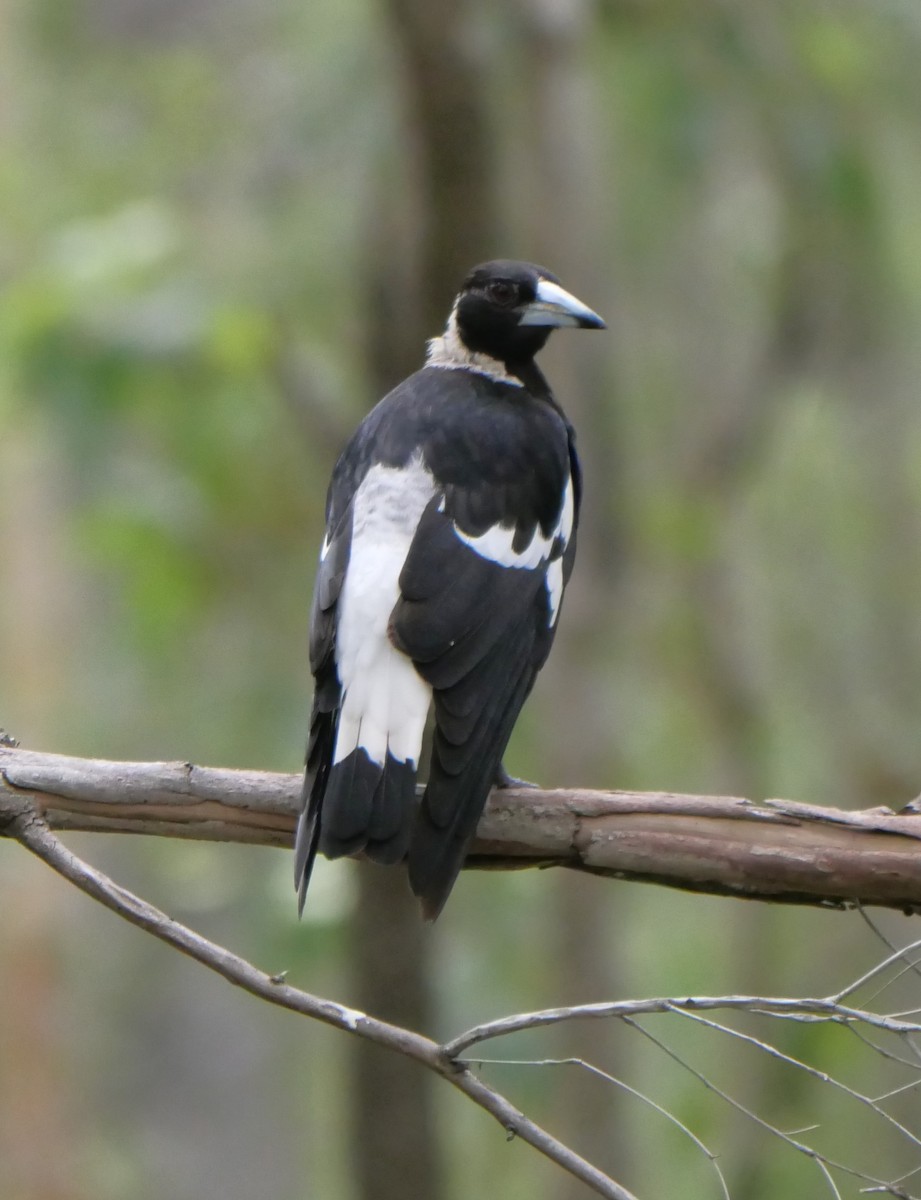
column 450, row 536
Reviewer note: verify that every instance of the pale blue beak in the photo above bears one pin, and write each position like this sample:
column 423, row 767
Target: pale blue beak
column 555, row 307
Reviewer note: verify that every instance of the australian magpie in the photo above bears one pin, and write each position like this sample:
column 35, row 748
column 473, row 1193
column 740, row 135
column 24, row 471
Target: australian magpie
column 450, row 536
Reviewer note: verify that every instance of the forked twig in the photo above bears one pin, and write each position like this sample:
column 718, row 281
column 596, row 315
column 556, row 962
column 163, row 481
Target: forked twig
column 31, row 831
column 822, row 1161
column 451, row 1060
column 592, row 1069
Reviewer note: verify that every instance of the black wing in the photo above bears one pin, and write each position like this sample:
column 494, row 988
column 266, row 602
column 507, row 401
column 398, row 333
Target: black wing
column 327, row 693
column 478, row 632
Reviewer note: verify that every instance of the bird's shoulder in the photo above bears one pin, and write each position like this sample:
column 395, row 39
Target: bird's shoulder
column 477, row 437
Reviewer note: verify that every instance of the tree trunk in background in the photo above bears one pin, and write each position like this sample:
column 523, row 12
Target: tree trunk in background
column 395, row 1147
column 566, row 230
column 434, row 219
column 39, row 1131
column 723, row 454
column 446, row 109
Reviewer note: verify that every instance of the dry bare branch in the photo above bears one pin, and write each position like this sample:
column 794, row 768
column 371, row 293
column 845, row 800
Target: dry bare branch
column 825, row 1164
column 829, row 1010
column 777, row 850
column 804, row 1008
column 30, row 830
column 598, row 1073
column 252, row 806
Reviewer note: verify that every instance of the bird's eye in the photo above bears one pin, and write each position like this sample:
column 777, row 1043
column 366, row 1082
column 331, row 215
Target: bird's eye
column 503, row 292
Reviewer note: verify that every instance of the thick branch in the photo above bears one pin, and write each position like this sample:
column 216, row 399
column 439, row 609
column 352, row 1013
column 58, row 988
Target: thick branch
column 777, row 850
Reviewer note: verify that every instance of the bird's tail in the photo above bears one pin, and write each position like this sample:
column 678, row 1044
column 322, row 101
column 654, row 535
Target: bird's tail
column 350, row 806
column 368, row 806
column 319, row 757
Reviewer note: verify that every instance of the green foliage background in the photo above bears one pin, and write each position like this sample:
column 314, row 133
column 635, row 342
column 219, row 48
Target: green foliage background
column 189, row 198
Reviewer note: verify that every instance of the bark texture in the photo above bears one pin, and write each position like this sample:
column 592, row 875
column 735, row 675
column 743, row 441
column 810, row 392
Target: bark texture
column 778, row 850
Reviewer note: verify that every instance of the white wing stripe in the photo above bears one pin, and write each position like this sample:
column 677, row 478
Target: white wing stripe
column 567, row 515
column 384, row 700
column 554, row 584
column 496, row 543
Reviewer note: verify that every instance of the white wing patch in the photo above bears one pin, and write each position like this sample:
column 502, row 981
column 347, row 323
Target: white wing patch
column 384, row 701
column 567, row 514
column 496, row 544
column 554, row 583
column 554, row 578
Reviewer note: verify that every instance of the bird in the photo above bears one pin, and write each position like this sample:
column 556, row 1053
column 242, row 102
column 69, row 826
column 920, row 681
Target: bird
column 450, row 536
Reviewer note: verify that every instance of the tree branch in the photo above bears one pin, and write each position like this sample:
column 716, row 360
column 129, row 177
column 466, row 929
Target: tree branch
column 254, row 806
column 826, row 1008
column 20, row 820
column 777, row 850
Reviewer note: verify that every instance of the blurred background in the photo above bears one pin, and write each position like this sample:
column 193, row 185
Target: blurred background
column 227, row 229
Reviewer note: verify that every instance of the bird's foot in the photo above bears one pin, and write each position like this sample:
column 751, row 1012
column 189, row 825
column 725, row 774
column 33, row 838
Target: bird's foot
column 504, row 780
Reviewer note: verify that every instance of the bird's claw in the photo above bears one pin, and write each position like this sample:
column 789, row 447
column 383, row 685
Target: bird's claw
column 504, row 780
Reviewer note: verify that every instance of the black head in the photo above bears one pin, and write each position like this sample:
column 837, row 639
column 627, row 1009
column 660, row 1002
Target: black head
column 508, row 310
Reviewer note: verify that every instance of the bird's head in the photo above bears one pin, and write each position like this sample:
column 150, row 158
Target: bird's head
column 507, row 310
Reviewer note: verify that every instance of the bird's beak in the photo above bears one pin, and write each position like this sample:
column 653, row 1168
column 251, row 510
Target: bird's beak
column 555, row 307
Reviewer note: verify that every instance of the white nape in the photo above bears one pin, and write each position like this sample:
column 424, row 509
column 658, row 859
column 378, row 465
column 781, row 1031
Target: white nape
column 450, row 353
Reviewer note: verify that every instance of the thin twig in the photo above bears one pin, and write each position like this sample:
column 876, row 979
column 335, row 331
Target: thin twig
column 592, row 1069
column 906, row 1087
column 887, row 942
column 172, row 793
column 881, row 1050
column 824, row 1163
column 32, row 832
column 814, row 1072
column 818, row 1009
column 896, row 955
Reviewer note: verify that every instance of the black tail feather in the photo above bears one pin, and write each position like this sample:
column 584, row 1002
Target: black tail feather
column 347, row 804
column 392, row 812
column 305, row 846
column 368, row 806
column 319, row 756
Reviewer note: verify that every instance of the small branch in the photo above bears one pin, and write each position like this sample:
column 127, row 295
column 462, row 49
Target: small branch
column 778, row 850
column 598, row 1073
column 826, row 1009
column 19, row 819
column 28, row 827
column 820, row 1160
column 814, row 1073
